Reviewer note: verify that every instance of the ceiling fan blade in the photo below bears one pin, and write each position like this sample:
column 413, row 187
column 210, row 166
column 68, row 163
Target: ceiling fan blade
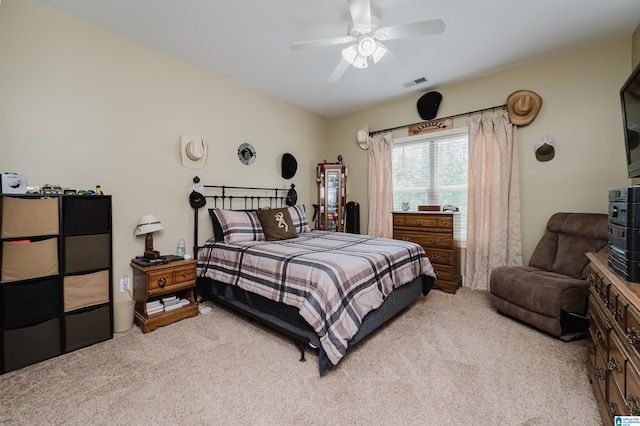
column 435, row 26
column 338, row 71
column 322, row 42
column 360, row 13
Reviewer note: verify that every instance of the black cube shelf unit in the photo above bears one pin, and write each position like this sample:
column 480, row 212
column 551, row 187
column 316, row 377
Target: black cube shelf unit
column 55, row 278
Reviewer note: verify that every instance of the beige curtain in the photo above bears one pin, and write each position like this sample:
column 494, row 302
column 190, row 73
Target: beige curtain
column 494, row 236
column 380, row 186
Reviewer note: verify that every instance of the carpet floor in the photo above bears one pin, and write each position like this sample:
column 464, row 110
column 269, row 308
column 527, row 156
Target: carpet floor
column 447, row 359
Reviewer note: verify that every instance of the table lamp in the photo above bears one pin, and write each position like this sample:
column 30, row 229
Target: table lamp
column 148, row 224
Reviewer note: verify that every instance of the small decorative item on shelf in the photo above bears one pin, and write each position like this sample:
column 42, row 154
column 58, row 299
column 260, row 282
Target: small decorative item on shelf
column 405, row 206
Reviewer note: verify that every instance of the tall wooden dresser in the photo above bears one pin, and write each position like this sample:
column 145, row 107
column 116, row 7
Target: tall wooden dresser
column 614, row 340
column 434, row 232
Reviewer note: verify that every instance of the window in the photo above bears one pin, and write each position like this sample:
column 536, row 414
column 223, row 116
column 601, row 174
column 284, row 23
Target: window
column 432, row 169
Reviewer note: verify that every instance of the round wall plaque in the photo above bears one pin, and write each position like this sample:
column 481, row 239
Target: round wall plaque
column 247, row 153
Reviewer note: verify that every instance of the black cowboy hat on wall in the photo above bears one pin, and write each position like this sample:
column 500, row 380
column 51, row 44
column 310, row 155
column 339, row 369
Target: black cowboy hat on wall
column 428, row 105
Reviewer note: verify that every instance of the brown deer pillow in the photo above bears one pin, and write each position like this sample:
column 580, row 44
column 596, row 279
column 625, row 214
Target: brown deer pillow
column 277, row 224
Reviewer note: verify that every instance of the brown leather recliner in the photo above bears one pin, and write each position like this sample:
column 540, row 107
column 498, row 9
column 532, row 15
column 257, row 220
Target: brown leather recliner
column 551, row 293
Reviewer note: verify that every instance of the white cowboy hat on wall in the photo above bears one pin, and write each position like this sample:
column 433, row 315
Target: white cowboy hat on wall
column 193, row 151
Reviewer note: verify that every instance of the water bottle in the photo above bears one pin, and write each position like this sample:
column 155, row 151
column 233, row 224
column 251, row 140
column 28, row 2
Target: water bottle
column 180, row 247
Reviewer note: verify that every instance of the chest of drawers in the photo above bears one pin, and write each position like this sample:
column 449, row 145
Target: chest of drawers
column 434, row 232
column 614, row 340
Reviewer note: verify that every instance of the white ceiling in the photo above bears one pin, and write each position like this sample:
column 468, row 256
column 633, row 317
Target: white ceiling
column 248, row 40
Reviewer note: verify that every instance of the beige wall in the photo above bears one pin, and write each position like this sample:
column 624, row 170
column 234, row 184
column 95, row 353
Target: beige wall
column 581, row 111
column 80, row 106
column 635, row 54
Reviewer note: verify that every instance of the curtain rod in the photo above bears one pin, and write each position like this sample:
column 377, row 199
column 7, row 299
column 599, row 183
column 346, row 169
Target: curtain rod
column 437, row 119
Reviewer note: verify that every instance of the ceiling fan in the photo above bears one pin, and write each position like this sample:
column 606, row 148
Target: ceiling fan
column 365, row 36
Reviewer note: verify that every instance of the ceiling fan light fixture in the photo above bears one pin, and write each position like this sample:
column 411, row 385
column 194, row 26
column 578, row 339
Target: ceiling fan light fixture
column 367, row 46
column 350, row 53
column 379, row 53
column 360, row 62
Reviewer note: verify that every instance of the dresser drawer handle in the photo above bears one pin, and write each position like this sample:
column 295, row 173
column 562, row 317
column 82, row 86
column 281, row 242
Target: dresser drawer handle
column 419, row 222
column 632, row 336
column 591, row 349
column 613, row 365
column 613, row 410
column 445, row 222
column 185, row 275
column 599, row 336
column 435, row 241
column 632, row 403
column 598, row 374
column 162, row 282
column 436, row 272
column 435, row 256
column 590, row 277
column 406, row 238
column 618, row 315
column 589, row 314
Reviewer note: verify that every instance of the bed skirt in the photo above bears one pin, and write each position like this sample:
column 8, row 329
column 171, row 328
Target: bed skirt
column 285, row 318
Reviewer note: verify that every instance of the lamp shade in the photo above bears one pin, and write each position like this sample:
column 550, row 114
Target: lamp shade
column 146, row 224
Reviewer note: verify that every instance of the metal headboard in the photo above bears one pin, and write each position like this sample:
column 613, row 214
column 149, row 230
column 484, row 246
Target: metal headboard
column 238, row 198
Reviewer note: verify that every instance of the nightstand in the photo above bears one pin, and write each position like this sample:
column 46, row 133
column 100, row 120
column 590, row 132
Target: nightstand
column 153, row 284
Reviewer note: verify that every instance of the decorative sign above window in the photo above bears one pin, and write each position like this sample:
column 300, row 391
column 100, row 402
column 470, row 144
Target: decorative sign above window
column 430, row 126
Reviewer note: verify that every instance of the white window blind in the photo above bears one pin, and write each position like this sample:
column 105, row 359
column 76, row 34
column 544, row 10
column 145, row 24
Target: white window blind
column 433, row 169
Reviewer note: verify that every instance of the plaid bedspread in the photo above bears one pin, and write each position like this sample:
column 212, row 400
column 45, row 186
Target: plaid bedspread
column 335, row 279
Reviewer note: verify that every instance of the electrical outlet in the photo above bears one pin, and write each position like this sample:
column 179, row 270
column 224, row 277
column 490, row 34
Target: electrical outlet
column 124, row 283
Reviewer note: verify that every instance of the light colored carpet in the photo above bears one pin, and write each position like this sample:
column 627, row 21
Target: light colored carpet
column 448, row 359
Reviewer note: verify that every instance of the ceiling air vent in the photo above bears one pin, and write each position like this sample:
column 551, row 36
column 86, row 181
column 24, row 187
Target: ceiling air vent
column 416, row 81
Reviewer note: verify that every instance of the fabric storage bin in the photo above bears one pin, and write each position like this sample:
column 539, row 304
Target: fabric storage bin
column 23, row 260
column 29, row 217
column 28, row 345
column 30, row 302
column 88, row 327
column 87, row 252
column 86, row 290
column 86, row 214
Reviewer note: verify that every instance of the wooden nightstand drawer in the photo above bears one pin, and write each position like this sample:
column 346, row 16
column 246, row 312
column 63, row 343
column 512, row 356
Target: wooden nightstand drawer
column 185, row 274
column 159, row 279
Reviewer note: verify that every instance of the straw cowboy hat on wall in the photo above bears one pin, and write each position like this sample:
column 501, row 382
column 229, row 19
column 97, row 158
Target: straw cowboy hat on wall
column 523, row 107
column 193, row 151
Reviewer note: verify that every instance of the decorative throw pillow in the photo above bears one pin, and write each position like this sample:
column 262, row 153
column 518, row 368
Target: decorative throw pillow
column 239, row 225
column 299, row 217
column 277, row 224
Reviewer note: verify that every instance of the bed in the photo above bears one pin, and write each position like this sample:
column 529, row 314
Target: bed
column 326, row 290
